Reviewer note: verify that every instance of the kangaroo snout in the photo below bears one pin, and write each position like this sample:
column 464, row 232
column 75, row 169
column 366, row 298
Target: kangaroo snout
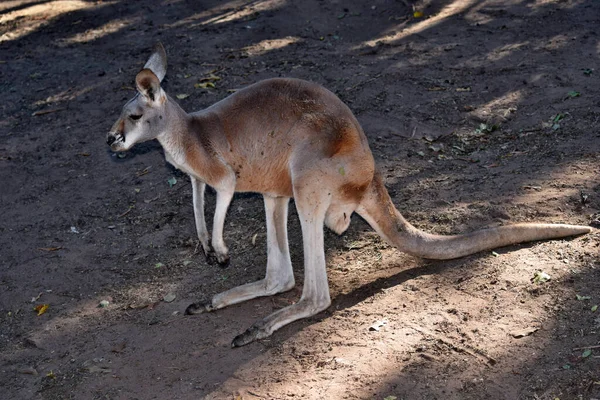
column 110, row 139
column 116, row 141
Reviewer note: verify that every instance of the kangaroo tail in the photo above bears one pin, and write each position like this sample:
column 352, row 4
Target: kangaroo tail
column 378, row 210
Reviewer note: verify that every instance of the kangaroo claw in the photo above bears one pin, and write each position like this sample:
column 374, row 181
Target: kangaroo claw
column 249, row 336
column 199, row 308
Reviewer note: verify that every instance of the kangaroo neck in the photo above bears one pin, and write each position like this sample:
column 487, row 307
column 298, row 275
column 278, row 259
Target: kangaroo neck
column 172, row 138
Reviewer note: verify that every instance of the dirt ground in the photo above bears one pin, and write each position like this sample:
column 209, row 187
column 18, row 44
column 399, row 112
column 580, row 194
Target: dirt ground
column 478, row 113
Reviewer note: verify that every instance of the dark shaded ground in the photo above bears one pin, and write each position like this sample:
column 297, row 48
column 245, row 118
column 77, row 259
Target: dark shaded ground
column 80, row 225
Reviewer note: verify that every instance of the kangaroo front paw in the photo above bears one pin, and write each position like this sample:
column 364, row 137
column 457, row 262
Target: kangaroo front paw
column 223, row 260
column 199, row 308
column 208, row 251
column 211, row 258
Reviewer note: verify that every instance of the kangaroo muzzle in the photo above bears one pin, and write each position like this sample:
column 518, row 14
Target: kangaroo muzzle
column 116, row 141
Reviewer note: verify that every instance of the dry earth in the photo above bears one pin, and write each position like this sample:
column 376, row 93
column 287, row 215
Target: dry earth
column 478, row 113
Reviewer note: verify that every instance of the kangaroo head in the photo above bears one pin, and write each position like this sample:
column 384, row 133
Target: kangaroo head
column 143, row 117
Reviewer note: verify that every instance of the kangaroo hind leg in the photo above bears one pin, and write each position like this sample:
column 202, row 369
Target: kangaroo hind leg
column 315, row 293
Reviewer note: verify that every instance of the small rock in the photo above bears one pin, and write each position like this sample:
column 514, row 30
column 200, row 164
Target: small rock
column 169, row 297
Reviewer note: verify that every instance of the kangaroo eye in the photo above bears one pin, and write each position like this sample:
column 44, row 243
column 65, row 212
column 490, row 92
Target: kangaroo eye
column 135, row 117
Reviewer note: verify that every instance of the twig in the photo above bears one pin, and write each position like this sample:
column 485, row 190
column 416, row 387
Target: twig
column 363, row 83
column 43, row 112
column 587, row 347
column 144, row 172
column 529, row 130
column 126, row 212
column 465, row 159
column 152, row 199
column 50, row 248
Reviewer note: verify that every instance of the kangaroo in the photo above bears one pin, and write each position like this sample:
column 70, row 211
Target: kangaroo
column 287, row 138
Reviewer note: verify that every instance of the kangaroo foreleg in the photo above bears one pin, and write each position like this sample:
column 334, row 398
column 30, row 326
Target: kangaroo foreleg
column 279, row 276
column 198, row 188
column 221, row 251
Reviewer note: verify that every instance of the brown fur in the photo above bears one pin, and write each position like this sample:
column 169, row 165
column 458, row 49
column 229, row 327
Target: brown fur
column 353, row 192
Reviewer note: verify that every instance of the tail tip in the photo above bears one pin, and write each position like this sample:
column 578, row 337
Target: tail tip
column 582, row 230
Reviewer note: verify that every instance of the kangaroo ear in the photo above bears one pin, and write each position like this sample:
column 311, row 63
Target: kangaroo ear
column 147, row 83
column 157, row 62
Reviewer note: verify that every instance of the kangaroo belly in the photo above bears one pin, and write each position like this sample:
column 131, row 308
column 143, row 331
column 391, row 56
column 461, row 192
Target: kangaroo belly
column 272, row 179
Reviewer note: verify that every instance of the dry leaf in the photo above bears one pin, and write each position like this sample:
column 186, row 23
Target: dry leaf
column 50, row 248
column 205, row 85
column 41, row 308
column 210, row 78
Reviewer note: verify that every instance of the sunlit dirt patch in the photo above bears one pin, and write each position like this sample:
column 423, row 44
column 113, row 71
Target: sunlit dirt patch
column 20, row 22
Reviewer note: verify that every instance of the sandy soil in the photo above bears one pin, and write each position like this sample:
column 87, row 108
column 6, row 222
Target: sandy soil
column 478, row 113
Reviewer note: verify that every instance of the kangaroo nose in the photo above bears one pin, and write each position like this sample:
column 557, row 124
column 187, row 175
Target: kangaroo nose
column 110, row 140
